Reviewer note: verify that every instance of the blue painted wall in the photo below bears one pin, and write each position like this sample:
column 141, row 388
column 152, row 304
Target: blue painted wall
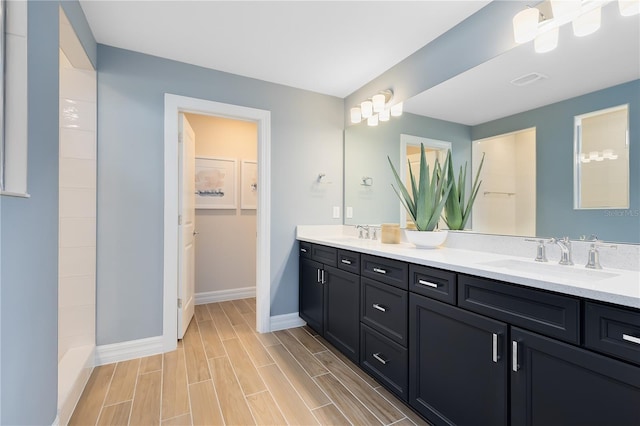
column 555, row 215
column 29, row 237
column 306, row 139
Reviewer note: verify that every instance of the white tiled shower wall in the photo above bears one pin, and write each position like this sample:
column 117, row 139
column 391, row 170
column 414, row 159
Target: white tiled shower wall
column 77, row 208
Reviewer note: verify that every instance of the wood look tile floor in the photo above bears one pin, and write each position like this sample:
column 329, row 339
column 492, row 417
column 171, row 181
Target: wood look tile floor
column 224, row 373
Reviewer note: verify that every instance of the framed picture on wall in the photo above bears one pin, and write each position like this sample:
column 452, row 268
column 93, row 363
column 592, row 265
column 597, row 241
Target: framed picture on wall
column 249, row 185
column 216, row 183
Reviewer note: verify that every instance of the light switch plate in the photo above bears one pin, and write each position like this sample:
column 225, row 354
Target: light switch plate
column 336, row 212
column 349, row 212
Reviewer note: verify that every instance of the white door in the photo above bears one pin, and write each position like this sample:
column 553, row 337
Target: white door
column 186, row 224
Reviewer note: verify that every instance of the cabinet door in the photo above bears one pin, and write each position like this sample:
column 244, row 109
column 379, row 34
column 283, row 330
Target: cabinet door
column 458, row 363
column 559, row 384
column 311, row 294
column 342, row 311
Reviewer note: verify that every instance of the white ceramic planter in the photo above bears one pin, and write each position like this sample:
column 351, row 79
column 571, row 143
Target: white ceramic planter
column 426, row 239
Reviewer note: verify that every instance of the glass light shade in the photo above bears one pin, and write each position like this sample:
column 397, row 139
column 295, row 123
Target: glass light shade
column 588, row 23
column 629, row 7
column 396, row 110
column 372, row 121
column 356, row 115
column 565, row 9
column 547, row 41
column 384, row 115
column 378, row 102
column 367, row 109
column 525, row 25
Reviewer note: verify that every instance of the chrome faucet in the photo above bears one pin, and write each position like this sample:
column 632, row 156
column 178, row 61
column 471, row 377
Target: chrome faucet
column 362, row 228
column 565, row 250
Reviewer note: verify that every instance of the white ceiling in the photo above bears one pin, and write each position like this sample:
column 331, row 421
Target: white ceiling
column 577, row 66
column 330, row 47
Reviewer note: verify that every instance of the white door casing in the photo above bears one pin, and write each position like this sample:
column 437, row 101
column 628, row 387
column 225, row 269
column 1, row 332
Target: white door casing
column 173, row 104
column 186, row 224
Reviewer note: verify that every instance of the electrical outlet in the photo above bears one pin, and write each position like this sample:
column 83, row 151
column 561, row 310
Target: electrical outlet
column 336, row 212
column 349, row 212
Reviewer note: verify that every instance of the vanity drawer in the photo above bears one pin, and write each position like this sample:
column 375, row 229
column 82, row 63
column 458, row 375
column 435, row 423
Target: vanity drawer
column 547, row 313
column 349, row 261
column 324, row 254
column 434, row 283
column 385, row 360
column 614, row 331
column 304, row 249
column 392, row 272
column 384, row 308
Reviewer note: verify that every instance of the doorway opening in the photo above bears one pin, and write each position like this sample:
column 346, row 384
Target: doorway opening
column 174, row 105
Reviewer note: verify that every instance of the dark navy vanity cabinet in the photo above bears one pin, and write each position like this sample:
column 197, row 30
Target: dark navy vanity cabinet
column 468, row 350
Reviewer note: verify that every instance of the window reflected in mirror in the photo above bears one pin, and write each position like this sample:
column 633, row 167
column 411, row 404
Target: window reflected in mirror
column 506, row 202
column 601, row 149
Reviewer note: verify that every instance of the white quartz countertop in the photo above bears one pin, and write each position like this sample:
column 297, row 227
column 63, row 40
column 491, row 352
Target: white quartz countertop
column 621, row 287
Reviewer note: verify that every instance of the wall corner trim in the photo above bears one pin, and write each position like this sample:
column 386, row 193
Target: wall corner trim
column 123, row 351
column 282, row 322
column 224, row 295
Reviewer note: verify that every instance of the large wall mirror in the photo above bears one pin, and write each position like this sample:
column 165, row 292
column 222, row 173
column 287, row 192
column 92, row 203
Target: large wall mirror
column 517, row 91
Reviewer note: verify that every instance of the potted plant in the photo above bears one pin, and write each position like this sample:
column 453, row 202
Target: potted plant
column 456, row 213
column 425, row 202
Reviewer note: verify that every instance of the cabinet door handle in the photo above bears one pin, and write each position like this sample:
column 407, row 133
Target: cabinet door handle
column 380, row 308
column 380, row 271
column 514, row 360
column 632, row 339
column 428, row 283
column 346, row 261
column 495, row 357
column 380, row 359
column 318, row 278
column 322, row 281
column 304, row 250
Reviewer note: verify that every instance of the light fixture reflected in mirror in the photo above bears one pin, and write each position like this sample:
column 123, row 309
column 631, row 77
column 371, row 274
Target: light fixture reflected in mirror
column 376, row 109
column 587, row 23
column 546, row 41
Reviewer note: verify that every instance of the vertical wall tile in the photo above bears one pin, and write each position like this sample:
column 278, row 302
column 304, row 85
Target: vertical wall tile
column 75, row 143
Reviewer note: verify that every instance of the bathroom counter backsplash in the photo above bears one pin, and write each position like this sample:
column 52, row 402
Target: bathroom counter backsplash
column 477, row 254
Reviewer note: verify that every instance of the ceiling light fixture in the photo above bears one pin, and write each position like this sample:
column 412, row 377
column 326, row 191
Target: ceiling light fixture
column 376, row 109
column 542, row 23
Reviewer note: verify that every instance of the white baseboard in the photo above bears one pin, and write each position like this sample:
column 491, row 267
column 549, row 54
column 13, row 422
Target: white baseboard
column 116, row 352
column 282, row 322
column 224, row 295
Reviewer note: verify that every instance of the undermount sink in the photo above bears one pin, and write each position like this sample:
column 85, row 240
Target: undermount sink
column 559, row 271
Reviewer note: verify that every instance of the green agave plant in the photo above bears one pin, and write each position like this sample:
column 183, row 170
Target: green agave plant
column 428, row 197
column 455, row 212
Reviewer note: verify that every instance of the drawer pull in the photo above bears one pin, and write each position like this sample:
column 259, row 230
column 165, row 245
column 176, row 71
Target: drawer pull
column 380, row 308
column 514, row 360
column 304, row 250
column 495, row 356
column 632, row 339
column 428, row 283
column 380, row 271
column 346, row 261
column 380, row 359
